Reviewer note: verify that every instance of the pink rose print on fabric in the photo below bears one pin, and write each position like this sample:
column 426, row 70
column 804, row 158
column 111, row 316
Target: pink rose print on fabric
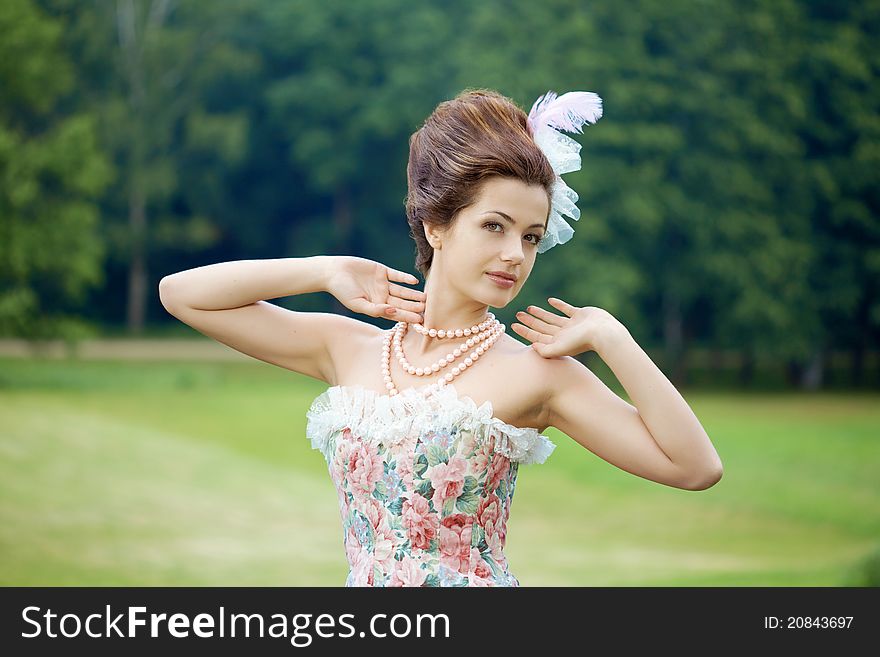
column 364, row 468
column 373, row 510
column 384, row 548
column 498, row 469
column 447, row 480
column 343, row 501
column 408, row 573
column 362, row 569
column 353, row 547
column 384, row 543
column 404, row 461
column 468, row 442
column 480, row 459
column 340, row 458
column 455, row 542
column 421, row 523
column 489, row 513
column 479, row 568
column 495, row 541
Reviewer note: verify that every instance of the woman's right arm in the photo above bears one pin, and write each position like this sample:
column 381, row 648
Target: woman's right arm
column 226, row 301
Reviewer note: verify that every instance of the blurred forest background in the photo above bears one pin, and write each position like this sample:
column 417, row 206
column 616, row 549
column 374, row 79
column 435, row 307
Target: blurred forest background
column 729, row 195
column 729, row 200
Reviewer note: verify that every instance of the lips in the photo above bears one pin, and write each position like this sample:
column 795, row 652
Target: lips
column 502, row 274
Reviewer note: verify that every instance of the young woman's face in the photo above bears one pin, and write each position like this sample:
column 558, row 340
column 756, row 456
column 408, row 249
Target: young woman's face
column 483, row 240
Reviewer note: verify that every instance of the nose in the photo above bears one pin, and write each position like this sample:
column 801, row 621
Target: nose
column 513, row 251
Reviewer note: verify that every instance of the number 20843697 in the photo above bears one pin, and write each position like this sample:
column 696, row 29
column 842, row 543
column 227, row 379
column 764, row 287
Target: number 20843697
column 807, row 622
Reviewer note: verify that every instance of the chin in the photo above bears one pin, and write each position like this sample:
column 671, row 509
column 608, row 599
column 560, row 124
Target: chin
column 494, row 303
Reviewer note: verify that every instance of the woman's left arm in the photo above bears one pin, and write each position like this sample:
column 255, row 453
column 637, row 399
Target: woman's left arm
column 659, row 439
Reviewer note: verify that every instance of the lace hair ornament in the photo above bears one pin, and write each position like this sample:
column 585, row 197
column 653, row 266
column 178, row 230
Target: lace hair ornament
column 548, row 116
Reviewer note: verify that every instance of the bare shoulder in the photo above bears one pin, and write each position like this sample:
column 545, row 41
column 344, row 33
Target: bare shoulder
column 565, row 377
column 552, row 376
column 351, row 337
column 535, row 375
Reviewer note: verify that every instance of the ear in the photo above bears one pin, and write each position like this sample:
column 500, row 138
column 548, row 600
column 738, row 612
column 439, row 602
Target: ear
column 433, row 235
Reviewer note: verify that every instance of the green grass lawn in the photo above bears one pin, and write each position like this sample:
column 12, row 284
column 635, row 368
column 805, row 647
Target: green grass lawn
column 173, row 473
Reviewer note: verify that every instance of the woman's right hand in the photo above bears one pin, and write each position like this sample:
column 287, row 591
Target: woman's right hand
column 367, row 287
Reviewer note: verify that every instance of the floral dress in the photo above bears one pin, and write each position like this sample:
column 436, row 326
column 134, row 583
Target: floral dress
column 425, row 480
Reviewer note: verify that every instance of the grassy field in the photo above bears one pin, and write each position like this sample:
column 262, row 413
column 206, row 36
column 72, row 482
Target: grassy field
column 198, row 473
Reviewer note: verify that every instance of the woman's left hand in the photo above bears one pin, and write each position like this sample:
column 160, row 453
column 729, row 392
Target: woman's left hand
column 555, row 336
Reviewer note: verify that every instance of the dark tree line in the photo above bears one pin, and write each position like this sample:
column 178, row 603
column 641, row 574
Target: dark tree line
column 729, row 194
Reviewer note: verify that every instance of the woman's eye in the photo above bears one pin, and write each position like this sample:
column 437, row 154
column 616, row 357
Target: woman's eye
column 537, row 237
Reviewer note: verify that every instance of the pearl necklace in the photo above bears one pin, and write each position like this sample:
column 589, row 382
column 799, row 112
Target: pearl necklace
column 488, row 332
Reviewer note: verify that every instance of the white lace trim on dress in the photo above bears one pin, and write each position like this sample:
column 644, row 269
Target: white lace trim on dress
column 383, row 419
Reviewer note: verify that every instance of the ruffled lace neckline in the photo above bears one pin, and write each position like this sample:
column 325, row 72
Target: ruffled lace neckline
column 386, row 419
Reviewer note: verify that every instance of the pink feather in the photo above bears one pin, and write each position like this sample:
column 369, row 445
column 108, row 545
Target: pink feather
column 567, row 112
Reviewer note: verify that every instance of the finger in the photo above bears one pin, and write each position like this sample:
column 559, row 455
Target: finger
column 537, row 324
column 400, row 315
column 417, row 307
column 402, row 276
column 545, row 350
column 406, row 292
column 365, row 307
column 567, row 308
column 530, row 334
column 547, row 316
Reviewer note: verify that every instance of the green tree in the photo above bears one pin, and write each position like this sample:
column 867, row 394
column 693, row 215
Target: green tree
column 168, row 55
column 836, row 71
column 51, row 172
column 736, row 137
column 155, row 72
column 358, row 78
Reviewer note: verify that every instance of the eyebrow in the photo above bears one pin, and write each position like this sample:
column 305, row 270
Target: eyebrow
column 511, row 220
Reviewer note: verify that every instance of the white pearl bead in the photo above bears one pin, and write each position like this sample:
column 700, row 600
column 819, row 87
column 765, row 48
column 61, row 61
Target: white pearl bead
column 481, row 336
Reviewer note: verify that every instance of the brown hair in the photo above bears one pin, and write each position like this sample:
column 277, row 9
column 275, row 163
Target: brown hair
column 477, row 134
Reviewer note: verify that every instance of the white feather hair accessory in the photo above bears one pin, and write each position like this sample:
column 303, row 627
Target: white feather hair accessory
column 548, row 116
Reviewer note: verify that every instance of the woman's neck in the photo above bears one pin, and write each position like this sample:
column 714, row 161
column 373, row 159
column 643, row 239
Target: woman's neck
column 444, row 309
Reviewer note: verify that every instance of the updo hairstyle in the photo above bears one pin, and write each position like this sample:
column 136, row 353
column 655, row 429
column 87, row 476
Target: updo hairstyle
column 476, row 135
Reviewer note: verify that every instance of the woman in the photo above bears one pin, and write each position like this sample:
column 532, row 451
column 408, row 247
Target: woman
column 424, row 454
